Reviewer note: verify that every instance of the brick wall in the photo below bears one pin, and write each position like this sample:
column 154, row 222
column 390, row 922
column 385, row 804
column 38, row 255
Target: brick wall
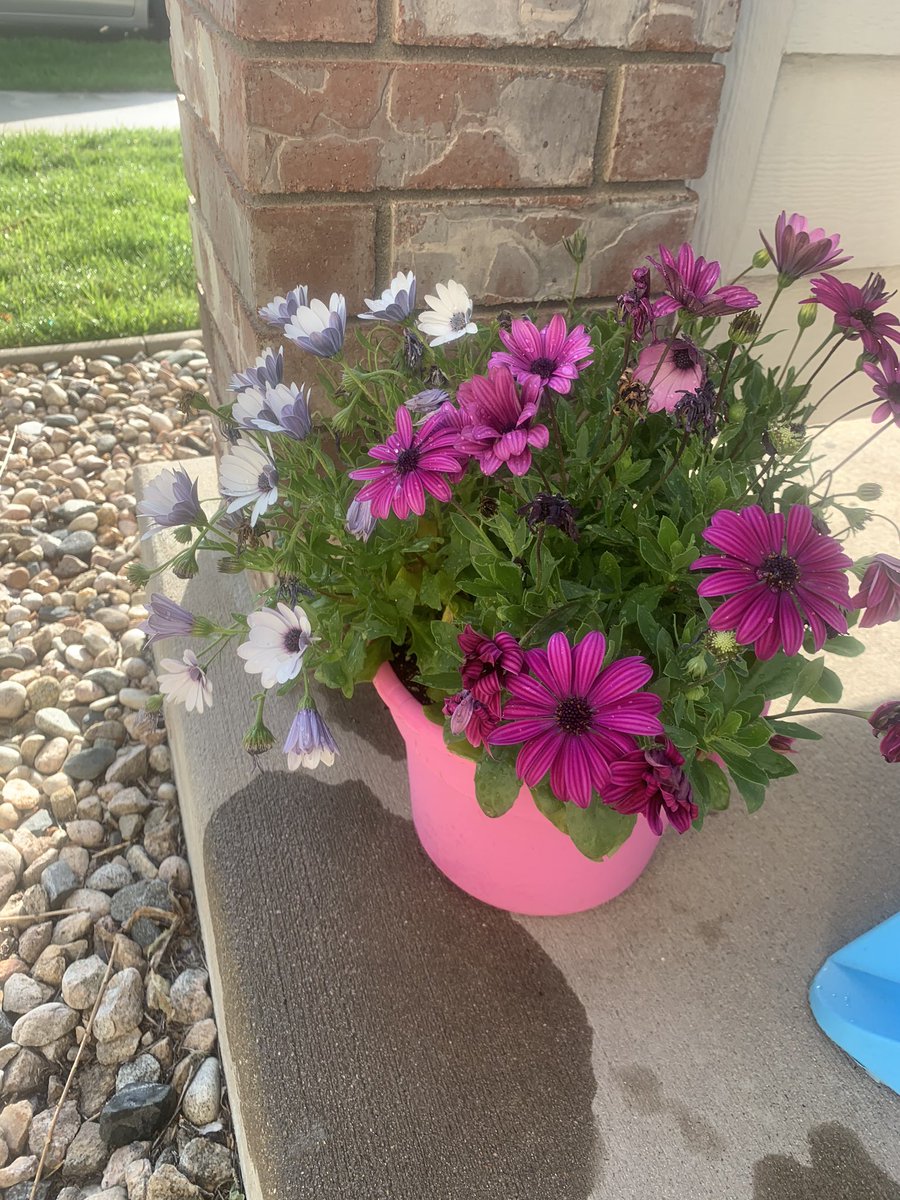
column 333, row 142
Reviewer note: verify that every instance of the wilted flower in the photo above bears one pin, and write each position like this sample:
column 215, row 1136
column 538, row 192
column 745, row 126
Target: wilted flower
column 184, row 565
column 781, row 575
column 550, row 357
column 359, row 521
column 396, row 302
column 259, row 738
column 635, row 305
column 283, row 408
column 855, row 310
column 652, row 782
column 499, row 422
column 427, row 402
column 414, row 464
column 277, row 640
column 697, row 410
column 309, row 740
column 136, row 573
column 690, row 282
column 489, row 664
column 885, row 374
column 556, row 510
column 669, row 372
column 269, row 370
column 283, row 308
column 576, row 717
column 318, row 329
column 885, row 720
column 879, row 592
column 471, row 716
column 633, row 395
column 451, row 314
column 170, row 499
column 166, row 618
column 799, row 250
column 413, row 350
column 248, row 476
column 185, row 682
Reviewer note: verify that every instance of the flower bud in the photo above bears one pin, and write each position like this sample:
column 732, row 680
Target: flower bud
column 697, row 666
column 185, row 565
column 806, row 315
column 870, row 492
column 744, row 328
column 695, row 693
column 576, row 246
column 183, row 534
column 737, row 411
column 137, row 573
column 722, row 644
column 229, row 565
column 761, row 259
column 154, row 703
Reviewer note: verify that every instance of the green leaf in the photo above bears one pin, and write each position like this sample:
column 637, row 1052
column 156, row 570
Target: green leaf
column 710, row 785
column 668, row 534
column 792, row 729
column 461, row 746
column 806, row 679
column 554, row 810
column 496, row 786
column 828, row 689
column 847, row 647
column 598, row 830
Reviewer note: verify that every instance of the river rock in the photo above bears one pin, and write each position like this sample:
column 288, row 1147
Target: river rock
column 122, row 1006
column 137, row 1113
column 44, row 1024
column 203, row 1098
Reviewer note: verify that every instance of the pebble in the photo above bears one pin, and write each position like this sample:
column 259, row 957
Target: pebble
column 85, row 833
column 133, row 698
column 127, row 801
column 201, row 1037
column 203, row 1098
column 81, row 982
column 55, row 723
column 67, row 1125
column 91, row 763
column 87, row 1153
column 59, row 881
column 206, row 1163
column 26, row 1074
column 189, row 998
column 15, row 1122
column 22, row 994
column 51, row 756
column 137, row 1113
column 144, row 1069
column 175, row 871
column 13, row 699
column 129, row 766
column 110, row 877
column 118, row 1050
column 119, row 1162
column 21, row 794
column 167, row 1183
column 43, row 692
column 121, row 1008
column 18, row 1171
column 146, row 894
column 44, row 1024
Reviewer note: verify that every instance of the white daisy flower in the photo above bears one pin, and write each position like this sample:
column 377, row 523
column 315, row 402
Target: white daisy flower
column 283, row 408
column 309, row 742
column 451, row 317
column 184, row 682
column 318, row 329
column 396, row 302
column 247, row 475
column 278, row 639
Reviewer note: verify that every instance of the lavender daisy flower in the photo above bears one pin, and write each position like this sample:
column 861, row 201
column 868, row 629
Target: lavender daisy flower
column 396, row 302
column 280, row 310
column 283, row 408
column 359, row 521
column 450, row 316
column 575, row 716
column 690, row 282
column 247, row 475
column 412, row 466
column 781, row 575
column 674, row 370
column 275, row 646
column 170, row 500
column 184, row 682
column 269, row 370
column 879, row 592
column 427, row 402
column 799, row 250
column 309, row 741
column 165, row 619
column 318, row 329
column 855, row 312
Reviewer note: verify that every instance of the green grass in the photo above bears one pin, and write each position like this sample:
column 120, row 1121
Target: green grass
column 73, row 64
column 94, row 238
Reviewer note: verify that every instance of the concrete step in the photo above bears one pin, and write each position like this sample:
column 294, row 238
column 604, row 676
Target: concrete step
column 386, row 1037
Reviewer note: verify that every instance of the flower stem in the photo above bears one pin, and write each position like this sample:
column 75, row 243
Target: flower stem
column 834, row 388
column 837, row 344
column 808, row 712
column 626, row 350
column 557, row 434
column 574, row 295
column 849, row 413
column 830, row 474
column 665, row 354
column 821, row 346
column 787, row 361
column 672, row 465
column 725, row 371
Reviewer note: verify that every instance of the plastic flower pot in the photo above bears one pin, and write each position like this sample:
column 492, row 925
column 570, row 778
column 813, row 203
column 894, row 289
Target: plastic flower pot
column 520, row 861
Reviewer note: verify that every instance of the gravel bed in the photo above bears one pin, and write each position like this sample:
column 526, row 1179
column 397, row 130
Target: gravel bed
column 92, row 862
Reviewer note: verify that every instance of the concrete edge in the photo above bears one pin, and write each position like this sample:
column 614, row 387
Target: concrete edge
column 126, row 347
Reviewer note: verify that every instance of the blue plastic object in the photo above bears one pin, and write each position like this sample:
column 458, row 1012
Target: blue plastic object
column 855, row 997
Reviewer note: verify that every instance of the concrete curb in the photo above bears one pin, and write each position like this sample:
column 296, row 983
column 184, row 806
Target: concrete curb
column 126, row 347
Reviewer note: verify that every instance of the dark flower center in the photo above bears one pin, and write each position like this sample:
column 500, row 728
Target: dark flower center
column 573, row 715
column 865, row 316
column 543, row 367
column 779, row 571
column 407, row 460
column 458, row 321
column 293, row 640
column 268, row 479
column 893, row 392
column 682, row 359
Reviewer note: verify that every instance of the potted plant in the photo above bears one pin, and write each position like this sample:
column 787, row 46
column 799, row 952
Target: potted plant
column 589, row 560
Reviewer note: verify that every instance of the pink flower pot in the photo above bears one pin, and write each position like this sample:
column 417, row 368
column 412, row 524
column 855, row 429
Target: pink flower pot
column 520, row 861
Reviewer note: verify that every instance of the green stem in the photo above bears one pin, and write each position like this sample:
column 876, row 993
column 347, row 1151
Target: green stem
column 725, row 371
column 808, row 712
column 834, row 388
column 836, row 345
column 674, row 463
column 830, row 474
column 821, row 346
column 574, row 295
column 849, row 413
column 557, row 434
column 787, row 362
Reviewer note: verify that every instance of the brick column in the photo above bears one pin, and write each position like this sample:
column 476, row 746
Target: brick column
column 333, row 142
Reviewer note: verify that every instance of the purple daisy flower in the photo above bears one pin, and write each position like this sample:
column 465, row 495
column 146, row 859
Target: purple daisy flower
column 674, row 370
column 489, row 663
column 576, row 717
column 635, row 305
column 499, row 423
column 309, row 741
column 166, row 618
column 690, row 282
column 280, row 310
column 879, row 592
column 359, row 521
column 170, row 500
column 780, row 574
column 885, row 720
column 799, row 250
column 318, row 329
column 855, row 310
column 414, row 466
column 477, row 719
column 550, row 357
column 283, row 408
column 268, row 372
column 885, row 374
column 653, row 782
column 427, row 402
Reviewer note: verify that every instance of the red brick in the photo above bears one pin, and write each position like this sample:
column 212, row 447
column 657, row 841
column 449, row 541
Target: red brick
column 665, row 120
column 636, row 25
column 510, row 250
column 297, row 20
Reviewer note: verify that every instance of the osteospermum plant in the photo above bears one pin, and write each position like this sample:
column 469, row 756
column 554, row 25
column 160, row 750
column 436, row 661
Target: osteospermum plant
column 597, row 546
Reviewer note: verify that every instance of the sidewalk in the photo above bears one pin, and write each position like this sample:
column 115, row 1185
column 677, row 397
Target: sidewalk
column 56, row 112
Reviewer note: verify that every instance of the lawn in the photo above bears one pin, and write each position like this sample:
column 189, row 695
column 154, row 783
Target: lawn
column 94, row 238
column 83, row 64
